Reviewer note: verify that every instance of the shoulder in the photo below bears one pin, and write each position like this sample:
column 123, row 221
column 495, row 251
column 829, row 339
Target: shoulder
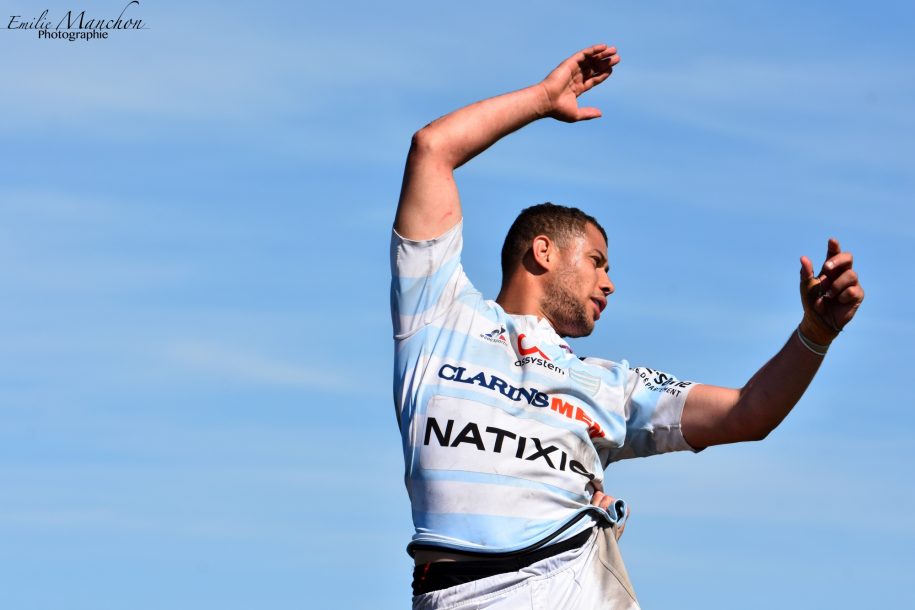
column 419, row 258
column 620, row 370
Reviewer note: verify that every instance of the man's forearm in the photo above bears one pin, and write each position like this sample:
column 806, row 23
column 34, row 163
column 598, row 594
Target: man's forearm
column 459, row 136
column 715, row 415
column 429, row 202
column 774, row 390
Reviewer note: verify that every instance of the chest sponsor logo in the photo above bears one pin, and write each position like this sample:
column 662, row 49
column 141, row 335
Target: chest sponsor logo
column 501, row 441
column 535, row 356
column 656, row 381
column 530, row 395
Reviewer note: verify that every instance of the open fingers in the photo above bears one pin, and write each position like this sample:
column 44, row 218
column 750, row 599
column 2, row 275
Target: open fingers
column 608, row 57
column 597, row 78
column 596, row 71
column 593, row 81
column 592, row 54
column 598, row 51
column 600, row 55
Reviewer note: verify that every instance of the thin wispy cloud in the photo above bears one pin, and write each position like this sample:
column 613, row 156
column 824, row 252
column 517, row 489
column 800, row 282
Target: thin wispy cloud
column 250, row 367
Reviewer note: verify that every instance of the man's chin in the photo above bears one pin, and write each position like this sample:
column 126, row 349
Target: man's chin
column 576, row 331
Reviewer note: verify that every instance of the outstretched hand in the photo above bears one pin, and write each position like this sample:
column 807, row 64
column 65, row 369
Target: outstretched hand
column 579, row 73
column 832, row 297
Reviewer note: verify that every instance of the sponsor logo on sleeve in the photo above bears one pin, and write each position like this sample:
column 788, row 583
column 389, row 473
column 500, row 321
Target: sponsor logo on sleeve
column 656, row 381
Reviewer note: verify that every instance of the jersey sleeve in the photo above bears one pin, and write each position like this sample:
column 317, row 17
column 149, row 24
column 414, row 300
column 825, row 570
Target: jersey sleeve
column 653, row 407
column 427, row 278
column 651, row 403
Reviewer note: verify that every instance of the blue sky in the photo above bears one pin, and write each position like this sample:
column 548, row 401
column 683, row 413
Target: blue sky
column 195, row 356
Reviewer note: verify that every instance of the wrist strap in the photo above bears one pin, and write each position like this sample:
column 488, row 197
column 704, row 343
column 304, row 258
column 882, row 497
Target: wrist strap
column 816, row 348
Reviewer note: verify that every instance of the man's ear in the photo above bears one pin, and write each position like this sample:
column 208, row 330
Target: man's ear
column 544, row 252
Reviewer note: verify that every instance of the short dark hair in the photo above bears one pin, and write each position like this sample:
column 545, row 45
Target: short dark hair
column 558, row 222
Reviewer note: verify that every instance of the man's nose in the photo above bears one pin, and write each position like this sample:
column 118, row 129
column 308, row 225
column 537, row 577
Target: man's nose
column 606, row 286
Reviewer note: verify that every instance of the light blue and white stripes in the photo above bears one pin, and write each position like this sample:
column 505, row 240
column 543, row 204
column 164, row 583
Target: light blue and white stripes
column 505, row 432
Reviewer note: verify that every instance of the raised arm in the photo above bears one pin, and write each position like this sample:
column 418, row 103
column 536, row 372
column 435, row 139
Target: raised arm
column 714, row 415
column 429, row 203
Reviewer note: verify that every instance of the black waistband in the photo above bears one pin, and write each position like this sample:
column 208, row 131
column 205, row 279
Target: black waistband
column 429, row 577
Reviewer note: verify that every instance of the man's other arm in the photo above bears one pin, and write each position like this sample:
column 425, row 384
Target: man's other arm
column 715, row 415
column 429, row 204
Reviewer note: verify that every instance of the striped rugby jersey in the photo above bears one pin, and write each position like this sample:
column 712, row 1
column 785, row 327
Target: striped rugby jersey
column 505, row 431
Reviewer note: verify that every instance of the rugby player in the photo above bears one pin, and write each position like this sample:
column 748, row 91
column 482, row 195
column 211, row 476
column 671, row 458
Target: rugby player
column 506, row 432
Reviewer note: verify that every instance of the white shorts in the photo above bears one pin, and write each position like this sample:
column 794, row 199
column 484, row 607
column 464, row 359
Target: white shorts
column 589, row 577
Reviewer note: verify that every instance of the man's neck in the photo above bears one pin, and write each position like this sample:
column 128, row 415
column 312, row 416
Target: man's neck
column 520, row 298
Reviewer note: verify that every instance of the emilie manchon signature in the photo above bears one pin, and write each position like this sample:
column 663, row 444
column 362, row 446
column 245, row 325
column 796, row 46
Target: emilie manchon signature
column 77, row 25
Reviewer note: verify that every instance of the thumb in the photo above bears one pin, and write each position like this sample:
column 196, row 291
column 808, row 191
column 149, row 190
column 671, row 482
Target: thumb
column 810, row 297
column 586, row 114
column 806, row 269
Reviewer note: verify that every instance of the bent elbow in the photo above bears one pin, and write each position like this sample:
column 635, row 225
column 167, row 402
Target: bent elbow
column 429, row 147
column 759, row 435
column 425, row 142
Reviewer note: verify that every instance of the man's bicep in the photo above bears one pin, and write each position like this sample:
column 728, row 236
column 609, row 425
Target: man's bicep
column 429, row 203
column 710, row 416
